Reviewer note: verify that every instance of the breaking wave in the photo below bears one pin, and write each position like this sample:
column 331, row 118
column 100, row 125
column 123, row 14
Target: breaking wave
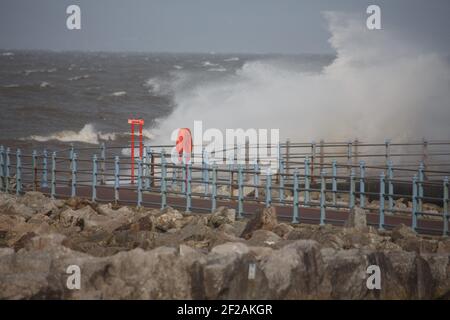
column 86, row 135
column 378, row 86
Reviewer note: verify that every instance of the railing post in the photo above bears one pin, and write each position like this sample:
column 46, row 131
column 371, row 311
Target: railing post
column 420, row 186
column 280, row 159
column 174, row 176
column 295, row 216
column 256, row 178
column 18, row 172
column 44, row 182
column 94, row 178
column 362, row 195
column 322, row 197
column 184, row 173
column 381, row 206
column 53, row 186
column 390, row 173
column 334, row 181
column 445, row 205
column 205, row 172
column 34, row 169
column 287, row 161
column 281, row 188
column 414, row 204
column 349, row 156
column 313, row 160
column 71, row 153
column 147, row 167
column 103, row 164
column 189, row 187
column 268, row 188
column 163, row 186
column 214, row 188
column 139, row 184
column 74, row 176
column 307, row 182
column 116, row 179
column 230, row 168
column 2, row 169
column 7, row 172
column 240, row 192
column 152, row 169
column 425, row 153
column 387, row 154
column 352, row 189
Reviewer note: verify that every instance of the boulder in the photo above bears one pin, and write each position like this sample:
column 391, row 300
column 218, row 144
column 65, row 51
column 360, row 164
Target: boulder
column 39, row 203
column 263, row 238
column 402, row 232
column 295, row 271
column 357, row 218
column 282, row 229
column 170, row 218
column 221, row 216
column 265, row 219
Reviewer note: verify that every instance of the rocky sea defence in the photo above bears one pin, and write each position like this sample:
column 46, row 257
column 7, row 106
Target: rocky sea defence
column 141, row 253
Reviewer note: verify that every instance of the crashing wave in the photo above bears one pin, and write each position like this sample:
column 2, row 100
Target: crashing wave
column 119, row 94
column 87, row 135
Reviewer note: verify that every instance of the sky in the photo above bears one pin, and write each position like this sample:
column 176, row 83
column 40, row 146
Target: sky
column 238, row 26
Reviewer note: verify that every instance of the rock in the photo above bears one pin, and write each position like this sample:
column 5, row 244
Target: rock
column 123, row 255
column 221, row 216
column 88, row 218
column 401, row 204
column 227, row 228
column 168, row 220
column 402, row 232
column 40, row 242
column 327, row 236
column 11, row 206
column 295, row 271
column 263, row 238
column 38, row 202
column 23, row 240
column 432, row 208
column 110, row 211
column 76, row 203
column 282, row 229
column 265, row 219
column 357, row 218
column 225, row 272
column 443, row 247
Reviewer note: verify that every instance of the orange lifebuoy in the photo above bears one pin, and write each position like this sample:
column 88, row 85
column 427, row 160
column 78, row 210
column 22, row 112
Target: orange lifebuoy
column 184, row 143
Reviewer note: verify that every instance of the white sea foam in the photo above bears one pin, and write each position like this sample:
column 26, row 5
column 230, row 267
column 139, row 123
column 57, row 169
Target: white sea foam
column 177, row 67
column 85, row 76
column 7, row 54
column 158, row 86
column 220, row 69
column 44, row 84
column 231, row 59
column 209, row 64
column 119, row 94
column 87, row 135
column 379, row 86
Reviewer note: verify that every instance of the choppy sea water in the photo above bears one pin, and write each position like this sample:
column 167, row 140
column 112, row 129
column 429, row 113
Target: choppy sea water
column 51, row 99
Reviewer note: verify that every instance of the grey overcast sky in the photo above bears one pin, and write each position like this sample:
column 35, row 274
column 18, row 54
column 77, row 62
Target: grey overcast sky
column 244, row 26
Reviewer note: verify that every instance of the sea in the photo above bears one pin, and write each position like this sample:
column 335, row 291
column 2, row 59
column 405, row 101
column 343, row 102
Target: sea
column 54, row 99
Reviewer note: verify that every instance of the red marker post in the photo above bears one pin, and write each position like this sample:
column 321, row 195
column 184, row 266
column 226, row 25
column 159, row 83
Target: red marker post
column 134, row 122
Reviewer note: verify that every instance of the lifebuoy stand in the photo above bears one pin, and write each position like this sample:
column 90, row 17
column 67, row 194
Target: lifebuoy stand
column 184, row 146
column 134, row 122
